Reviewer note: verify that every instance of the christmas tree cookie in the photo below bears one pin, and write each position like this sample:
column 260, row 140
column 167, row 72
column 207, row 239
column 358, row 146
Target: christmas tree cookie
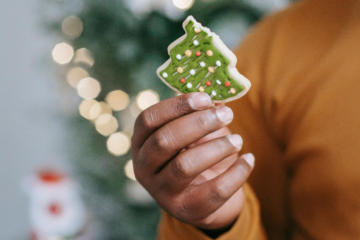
column 200, row 62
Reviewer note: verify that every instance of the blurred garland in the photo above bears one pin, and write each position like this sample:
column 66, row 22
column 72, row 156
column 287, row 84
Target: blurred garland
column 127, row 48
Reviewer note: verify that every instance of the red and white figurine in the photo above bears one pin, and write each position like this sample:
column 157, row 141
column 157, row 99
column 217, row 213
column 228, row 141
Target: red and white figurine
column 56, row 208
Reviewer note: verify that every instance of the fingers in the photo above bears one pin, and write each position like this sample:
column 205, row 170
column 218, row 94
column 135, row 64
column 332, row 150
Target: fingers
column 189, row 164
column 167, row 141
column 211, row 195
column 166, row 111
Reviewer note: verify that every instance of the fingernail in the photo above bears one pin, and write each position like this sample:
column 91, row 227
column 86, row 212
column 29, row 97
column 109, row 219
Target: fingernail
column 235, row 140
column 200, row 101
column 225, row 114
column 250, row 159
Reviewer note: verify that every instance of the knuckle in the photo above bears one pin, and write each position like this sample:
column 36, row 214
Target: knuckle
column 161, row 141
column 181, row 167
column 205, row 120
column 220, row 192
column 146, row 119
column 182, row 105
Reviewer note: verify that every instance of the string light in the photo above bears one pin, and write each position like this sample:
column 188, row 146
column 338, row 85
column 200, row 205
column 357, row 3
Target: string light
column 183, row 4
column 106, row 124
column 118, row 100
column 100, row 108
column 135, row 110
column 129, row 130
column 86, row 107
column 83, row 55
column 118, row 144
column 72, row 26
column 62, row 53
column 75, row 75
column 88, row 88
column 146, row 99
column 129, row 170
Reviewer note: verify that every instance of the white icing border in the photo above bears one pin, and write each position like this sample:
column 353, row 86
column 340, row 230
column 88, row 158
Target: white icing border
column 218, row 43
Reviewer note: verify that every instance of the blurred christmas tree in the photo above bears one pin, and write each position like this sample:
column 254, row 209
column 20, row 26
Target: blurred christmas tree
column 120, row 44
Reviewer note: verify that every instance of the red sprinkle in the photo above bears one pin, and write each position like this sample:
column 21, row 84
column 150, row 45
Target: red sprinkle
column 198, row 54
column 227, row 84
column 208, row 83
column 182, row 80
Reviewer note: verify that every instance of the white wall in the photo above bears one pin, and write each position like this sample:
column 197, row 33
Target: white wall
column 30, row 120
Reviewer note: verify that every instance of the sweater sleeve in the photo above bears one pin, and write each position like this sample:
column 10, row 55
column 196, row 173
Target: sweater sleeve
column 251, row 55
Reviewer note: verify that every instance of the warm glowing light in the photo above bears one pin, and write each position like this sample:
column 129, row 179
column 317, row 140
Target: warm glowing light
column 75, row 75
column 88, row 88
column 62, row 53
column 85, row 109
column 106, row 124
column 100, row 108
column 129, row 170
column 135, row 110
column 118, row 100
column 146, row 99
column 129, row 130
column 118, row 144
column 72, row 26
column 183, row 4
column 83, row 55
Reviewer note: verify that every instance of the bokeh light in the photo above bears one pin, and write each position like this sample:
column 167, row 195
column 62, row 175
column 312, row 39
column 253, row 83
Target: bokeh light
column 118, row 100
column 183, row 4
column 88, row 88
column 62, row 53
column 129, row 170
column 106, row 124
column 72, row 26
column 129, row 130
column 118, row 144
column 84, row 56
column 100, row 108
column 146, row 99
column 75, row 75
column 86, row 107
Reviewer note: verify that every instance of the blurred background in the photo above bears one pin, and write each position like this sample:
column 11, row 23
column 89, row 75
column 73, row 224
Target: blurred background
column 74, row 76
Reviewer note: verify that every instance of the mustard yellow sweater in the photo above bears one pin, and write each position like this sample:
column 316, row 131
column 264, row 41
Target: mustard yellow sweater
column 301, row 119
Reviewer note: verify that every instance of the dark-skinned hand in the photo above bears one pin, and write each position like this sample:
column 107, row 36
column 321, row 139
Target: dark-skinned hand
column 187, row 159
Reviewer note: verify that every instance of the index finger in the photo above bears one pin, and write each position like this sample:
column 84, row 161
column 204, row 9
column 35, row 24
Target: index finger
column 159, row 114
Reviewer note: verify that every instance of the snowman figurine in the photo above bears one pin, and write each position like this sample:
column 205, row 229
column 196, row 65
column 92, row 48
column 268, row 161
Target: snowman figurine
column 56, row 208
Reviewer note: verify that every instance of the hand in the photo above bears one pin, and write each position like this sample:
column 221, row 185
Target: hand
column 184, row 155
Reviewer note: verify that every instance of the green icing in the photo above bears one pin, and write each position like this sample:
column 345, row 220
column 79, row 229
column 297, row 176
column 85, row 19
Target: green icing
column 202, row 74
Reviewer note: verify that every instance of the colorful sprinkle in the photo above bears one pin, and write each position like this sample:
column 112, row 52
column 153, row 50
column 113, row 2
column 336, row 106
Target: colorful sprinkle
column 202, row 64
column 213, row 93
column 178, row 56
column 189, row 85
column 218, row 82
column 188, row 53
column 197, row 30
column 165, row 75
column 232, row 90
column 218, row 63
column 209, row 53
column 201, row 89
column 211, row 69
column 192, row 71
column 182, row 80
column 198, row 54
column 227, row 84
column 196, row 42
column 180, row 70
column 208, row 83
